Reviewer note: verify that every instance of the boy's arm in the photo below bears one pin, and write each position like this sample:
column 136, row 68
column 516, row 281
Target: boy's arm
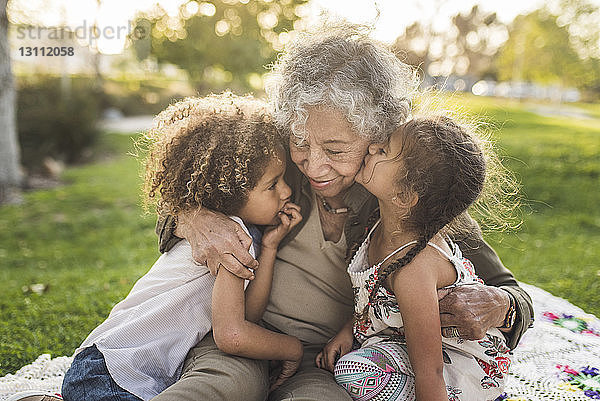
column 235, row 335
column 415, row 288
column 259, row 289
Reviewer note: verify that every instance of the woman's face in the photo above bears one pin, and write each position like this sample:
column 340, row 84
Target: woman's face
column 332, row 152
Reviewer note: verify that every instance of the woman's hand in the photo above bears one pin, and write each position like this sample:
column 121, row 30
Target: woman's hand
column 288, row 219
column 473, row 309
column 216, row 241
column 337, row 347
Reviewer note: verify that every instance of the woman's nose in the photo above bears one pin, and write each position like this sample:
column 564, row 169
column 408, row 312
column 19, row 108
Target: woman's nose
column 315, row 165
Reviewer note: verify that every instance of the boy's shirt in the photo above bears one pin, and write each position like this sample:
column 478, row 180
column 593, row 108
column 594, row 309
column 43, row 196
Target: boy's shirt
column 147, row 335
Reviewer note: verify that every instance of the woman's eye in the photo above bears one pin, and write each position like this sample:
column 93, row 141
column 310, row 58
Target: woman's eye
column 300, row 145
column 333, row 152
column 272, row 187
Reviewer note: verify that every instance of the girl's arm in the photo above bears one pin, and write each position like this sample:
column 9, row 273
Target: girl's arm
column 415, row 288
column 336, row 348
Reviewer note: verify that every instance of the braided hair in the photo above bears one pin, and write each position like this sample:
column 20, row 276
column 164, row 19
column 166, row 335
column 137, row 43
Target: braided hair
column 444, row 166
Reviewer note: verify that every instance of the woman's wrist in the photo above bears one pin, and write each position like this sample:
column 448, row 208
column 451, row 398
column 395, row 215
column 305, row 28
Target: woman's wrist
column 510, row 314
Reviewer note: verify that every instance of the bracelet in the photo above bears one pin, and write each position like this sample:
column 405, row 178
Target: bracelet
column 511, row 314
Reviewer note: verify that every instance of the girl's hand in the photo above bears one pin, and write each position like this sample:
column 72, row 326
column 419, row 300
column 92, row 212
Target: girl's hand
column 337, row 347
column 288, row 219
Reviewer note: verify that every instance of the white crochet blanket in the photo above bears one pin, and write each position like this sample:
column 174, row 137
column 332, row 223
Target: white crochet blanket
column 557, row 359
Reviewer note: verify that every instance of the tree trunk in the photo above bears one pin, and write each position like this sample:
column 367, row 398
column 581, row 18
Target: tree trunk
column 10, row 173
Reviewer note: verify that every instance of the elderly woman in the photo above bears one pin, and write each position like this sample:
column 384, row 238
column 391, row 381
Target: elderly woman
column 334, row 92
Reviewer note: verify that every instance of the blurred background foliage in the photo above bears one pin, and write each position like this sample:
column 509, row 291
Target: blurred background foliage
column 210, row 46
column 224, row 43
column 54, row 121
column 555, row 44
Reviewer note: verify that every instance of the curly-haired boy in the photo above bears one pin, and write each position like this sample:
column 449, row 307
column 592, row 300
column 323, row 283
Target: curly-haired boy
column 222, row 152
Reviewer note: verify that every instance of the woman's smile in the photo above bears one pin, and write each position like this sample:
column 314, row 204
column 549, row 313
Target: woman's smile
column 321, row 184
column 331, row 153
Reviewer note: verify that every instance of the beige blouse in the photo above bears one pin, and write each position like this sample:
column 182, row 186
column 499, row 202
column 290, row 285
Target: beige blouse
column 312, row 295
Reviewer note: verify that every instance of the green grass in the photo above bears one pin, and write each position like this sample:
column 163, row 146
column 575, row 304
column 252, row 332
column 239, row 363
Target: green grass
column 89, row 242
column 557, row 161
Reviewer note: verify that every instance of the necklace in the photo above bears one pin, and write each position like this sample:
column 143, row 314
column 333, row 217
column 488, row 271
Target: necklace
column 331, row 209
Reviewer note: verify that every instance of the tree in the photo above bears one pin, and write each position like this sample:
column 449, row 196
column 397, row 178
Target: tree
column 582, row 20
column 10, row 175
column 466, row 47
column 479, row 37
column 225, row 42
column 539, row 50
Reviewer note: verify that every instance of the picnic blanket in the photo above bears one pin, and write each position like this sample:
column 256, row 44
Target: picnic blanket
column 557, row 359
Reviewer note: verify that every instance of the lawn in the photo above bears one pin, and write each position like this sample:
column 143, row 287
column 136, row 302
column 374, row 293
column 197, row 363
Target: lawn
column 88, row 241
column 557, row 161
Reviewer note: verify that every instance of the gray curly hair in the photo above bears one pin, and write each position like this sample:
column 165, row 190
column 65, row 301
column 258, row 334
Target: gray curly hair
column 342, row 67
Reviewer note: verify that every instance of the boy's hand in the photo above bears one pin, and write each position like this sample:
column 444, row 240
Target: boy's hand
column 287, row 370
column 288, row 219
column 337, row 347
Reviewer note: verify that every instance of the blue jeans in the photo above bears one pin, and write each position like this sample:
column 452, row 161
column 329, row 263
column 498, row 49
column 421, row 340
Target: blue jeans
column 88, row 379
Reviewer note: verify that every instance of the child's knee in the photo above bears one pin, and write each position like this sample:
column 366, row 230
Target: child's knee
column 355, row 367
column 367, row 372
column 70, row 386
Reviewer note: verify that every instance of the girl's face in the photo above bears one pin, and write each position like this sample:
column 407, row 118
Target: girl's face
column 269, row 196
column 332, row 152
column 381, row 168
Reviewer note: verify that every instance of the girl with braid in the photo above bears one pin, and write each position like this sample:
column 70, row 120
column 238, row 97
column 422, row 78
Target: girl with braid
column 425, row 177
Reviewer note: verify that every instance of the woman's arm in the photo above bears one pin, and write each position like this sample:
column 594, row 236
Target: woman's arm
column 475, row 309
column 215, row 239
column 415, row 288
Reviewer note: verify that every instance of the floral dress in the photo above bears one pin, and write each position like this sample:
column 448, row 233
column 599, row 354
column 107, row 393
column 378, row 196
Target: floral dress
column 380, row 369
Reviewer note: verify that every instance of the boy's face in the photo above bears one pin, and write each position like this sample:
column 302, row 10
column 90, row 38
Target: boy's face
column 269, row 196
